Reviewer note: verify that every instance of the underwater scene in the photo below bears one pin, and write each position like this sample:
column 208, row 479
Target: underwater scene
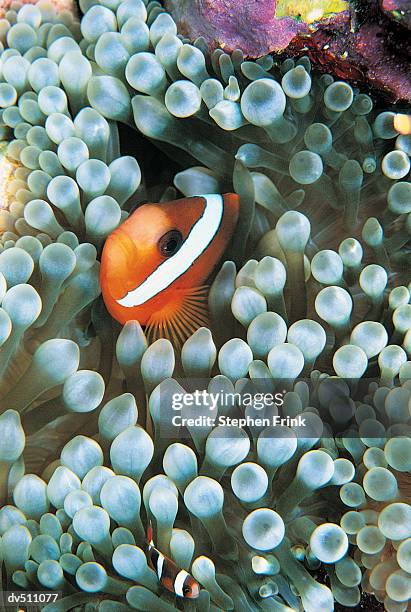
column 205, row 305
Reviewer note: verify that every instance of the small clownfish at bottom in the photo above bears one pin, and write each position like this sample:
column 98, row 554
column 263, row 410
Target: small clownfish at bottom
column 172, row 578
column 155, row 264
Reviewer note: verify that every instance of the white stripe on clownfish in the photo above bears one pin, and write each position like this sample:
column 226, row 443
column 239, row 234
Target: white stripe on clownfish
column 179, row 582
column 199, row 238
column 171, row 577
column 160, row 563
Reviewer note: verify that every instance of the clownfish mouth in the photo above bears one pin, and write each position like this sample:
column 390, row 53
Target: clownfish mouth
column 195, row 591
column 199, row 238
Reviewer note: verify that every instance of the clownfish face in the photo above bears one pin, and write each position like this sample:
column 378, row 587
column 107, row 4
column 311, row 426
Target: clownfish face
column 158, row 259
column 191, row 588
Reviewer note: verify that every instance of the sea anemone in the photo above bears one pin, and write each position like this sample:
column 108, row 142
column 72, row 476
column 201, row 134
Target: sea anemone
column 312, row 297
column 250, row 515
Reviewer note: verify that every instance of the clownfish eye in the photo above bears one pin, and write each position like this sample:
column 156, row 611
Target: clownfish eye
column 186, row 590
column 170, row 243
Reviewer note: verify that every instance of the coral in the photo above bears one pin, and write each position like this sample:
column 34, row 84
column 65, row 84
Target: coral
column 59, row 5
column 355, row 40
column 269, row 27
column 257, row 28
column 398, row 10
column 312, row 296
column 375, row 53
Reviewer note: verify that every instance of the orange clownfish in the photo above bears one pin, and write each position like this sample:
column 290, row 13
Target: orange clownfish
column 171, row 577
column 154, row 265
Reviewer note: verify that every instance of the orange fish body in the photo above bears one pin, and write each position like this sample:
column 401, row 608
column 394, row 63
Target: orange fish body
column 154, row 265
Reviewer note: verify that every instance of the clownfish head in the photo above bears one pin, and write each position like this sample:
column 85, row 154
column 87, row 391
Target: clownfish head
column 154, row 265
column 191, row 588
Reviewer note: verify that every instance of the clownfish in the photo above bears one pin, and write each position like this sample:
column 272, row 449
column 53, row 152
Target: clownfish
column 172, row 578
column 155, row 264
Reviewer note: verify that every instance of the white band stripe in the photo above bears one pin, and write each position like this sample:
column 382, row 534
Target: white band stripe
column 179, row 582
column 160, row 563
column 199, row 238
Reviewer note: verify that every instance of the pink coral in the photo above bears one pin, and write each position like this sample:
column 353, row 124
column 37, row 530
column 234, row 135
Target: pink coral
column 251, row 26
column 60, row 5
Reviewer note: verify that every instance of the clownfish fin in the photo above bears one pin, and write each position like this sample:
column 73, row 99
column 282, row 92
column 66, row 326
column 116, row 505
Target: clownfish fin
column 182, row 316
column 150, row 539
